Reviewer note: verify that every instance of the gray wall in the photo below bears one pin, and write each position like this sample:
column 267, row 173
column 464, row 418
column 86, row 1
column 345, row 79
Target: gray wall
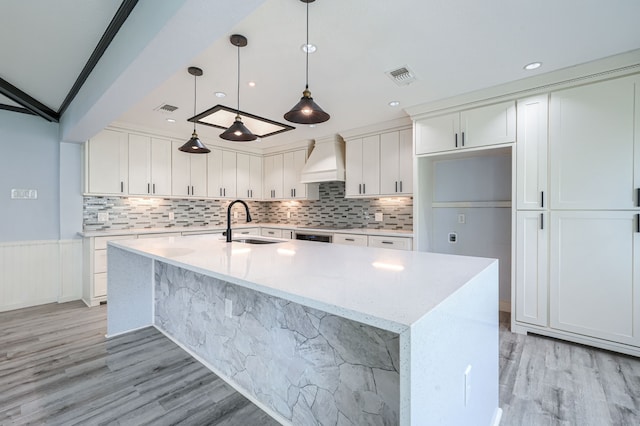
column 29, row 159
column 71, row 186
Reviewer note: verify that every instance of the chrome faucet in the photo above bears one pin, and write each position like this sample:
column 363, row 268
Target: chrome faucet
column 246, row 207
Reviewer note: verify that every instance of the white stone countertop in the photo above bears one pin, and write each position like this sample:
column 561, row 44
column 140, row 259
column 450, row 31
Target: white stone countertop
column 389, row 289
column 139, row 231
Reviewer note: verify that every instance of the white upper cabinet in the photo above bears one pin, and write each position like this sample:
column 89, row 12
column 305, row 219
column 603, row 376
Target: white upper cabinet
column 221, row 174
column 273, row 177
column 149, row 165
column 592, row 146
column 396, row 163
column 363, row 166
column 293, row 163
column 483, row 126
column 189, row 173
column 531, row 153
column 107, row 166
column 249, row 176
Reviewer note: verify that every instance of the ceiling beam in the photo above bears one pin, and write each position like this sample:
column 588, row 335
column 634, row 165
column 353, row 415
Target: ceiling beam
column 114, row 26
column 15, row 109
column 18, row 96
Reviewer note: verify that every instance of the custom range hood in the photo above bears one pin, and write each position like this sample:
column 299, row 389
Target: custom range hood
column 326, row 162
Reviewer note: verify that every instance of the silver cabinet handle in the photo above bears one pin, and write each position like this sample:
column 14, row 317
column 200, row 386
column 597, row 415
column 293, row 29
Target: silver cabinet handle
column 396, row 186
column 192, row 191
column 386, row 242
column 364, row 188
column 456, row 140
column 121, row 186
column 154, row 188
column 349, row 239
column 462, row 138
column 400, row 186
column 359, row 188
column 148, row 188
column 542, row 221
column 188, row 190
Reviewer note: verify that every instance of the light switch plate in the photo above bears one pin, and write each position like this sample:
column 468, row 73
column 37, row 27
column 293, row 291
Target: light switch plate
column 379, row 217
column 172, row 216
column 461, row 218
column 24, row 194
column 103, row 216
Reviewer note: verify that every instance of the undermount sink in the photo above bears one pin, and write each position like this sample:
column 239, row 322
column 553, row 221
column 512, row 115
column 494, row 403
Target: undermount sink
column 254, row 241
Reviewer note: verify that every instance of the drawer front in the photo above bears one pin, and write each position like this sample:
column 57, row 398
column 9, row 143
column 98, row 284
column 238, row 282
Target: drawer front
column 398, row 243
column 101, row 242
column 99, row 285
column 276, row 233
column 351, row 240
column 99, row 261
column 246, row 231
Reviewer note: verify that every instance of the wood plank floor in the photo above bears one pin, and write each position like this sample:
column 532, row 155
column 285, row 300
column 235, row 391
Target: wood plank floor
column 57, row 368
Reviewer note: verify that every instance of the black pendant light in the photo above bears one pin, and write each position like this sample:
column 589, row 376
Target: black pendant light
column 238, row 132
column 307, row 111
column 194, row 145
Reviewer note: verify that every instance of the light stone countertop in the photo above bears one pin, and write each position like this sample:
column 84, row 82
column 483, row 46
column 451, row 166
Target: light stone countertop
column 389, row 289
column 140, row 231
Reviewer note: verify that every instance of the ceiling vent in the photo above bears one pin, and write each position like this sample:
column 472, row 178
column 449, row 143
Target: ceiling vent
column 166, row 108
column 402, row 76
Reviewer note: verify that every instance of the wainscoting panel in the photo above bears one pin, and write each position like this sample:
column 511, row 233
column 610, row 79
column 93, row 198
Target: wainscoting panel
column 37, row 272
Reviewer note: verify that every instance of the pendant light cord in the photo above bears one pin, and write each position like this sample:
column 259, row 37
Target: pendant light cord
column 307, row 50
column 195, row 94
column 238, row 111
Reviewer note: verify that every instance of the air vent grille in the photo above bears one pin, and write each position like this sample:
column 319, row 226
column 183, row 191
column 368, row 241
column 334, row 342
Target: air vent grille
column 402, row 76
column 166, row 108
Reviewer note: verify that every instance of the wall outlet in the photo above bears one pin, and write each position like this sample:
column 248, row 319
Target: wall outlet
column 235, row 215
column 467, row 385
column 228, row 308
column 453, row 237
column 103, row 216
column 24, row 194
column 461, row 218
column 288, row 215
column 379, row 217
column 172, row 216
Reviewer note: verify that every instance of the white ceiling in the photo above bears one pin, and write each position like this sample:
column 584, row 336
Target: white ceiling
column 45, row 44
column 453, row 46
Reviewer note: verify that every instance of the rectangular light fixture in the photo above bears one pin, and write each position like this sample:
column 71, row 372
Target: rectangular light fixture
column 222, row 117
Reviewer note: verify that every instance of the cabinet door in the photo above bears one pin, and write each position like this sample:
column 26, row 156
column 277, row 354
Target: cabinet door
column 489, row 125
column 371, row 165
column 531, row 153
column 437, row 134
column 180, row 170
column 160, row 166
column 273, row 176
column 593, row 279
column 243, row 175
column 288, row 174
column 405, row 174
column 299, row 160
column 531, row 267
column 229, row 174
column 591, row 143
column 198, row 173
column 389, row 163
column 108, row 163
column 255, row 180
column 353, row 165
column 139, row 165
column 214, row 174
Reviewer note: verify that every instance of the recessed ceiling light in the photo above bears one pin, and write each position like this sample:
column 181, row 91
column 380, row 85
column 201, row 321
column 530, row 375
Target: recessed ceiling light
column 171, row 120
column 533, row 66
column 308, row 48
column 394, row 103
column 252, row 84
column 220, row 94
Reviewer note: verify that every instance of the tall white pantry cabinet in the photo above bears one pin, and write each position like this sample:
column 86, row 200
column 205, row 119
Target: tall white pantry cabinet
column 578, row 214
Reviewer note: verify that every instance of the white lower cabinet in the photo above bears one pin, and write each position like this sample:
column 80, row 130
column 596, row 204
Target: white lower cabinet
column 532, row 254
column 350, row 239
column 95, row 268
column 397, row 243
column 271, row 232
column 594, row 284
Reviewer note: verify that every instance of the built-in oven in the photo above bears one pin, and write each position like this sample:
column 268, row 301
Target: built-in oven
column 314, row 236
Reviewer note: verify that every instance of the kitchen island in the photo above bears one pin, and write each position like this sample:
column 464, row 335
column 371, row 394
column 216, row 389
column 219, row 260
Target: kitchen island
column 321, row 333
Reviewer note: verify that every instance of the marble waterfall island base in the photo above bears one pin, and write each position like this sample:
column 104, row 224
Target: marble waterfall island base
column 322, row 333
